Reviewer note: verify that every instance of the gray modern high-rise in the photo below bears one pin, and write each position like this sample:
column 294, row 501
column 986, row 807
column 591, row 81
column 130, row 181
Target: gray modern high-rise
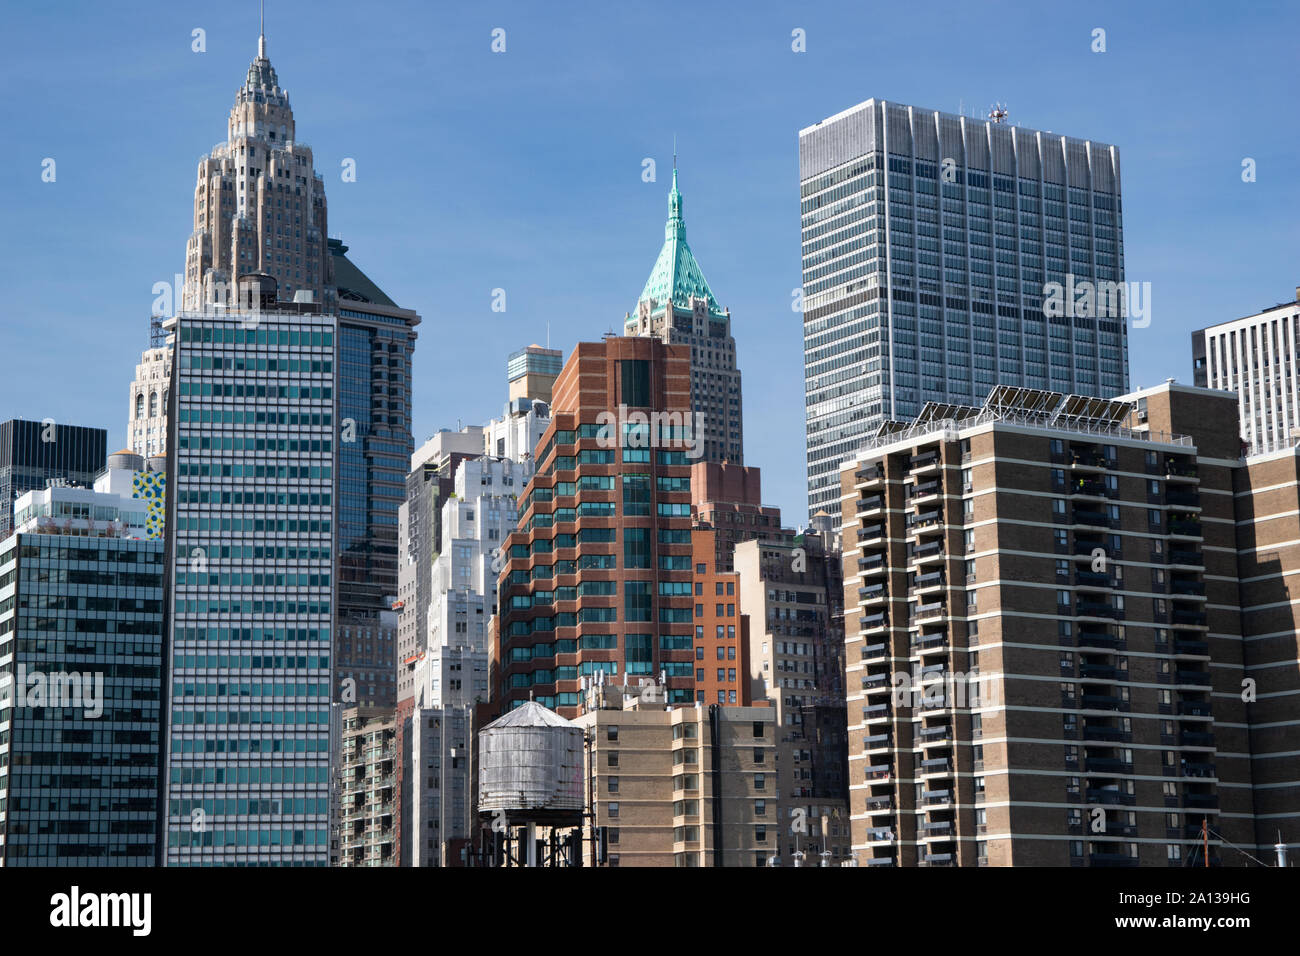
column 929, row 241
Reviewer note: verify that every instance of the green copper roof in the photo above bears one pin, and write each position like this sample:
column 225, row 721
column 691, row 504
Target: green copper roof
column 676, row 274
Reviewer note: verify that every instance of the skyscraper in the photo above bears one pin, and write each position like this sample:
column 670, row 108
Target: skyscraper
column 251, row 505
column 677, row 307
column 34, row 453
column 259, row 205
column 81, row 672
column 1256, row 357
column 929, row 243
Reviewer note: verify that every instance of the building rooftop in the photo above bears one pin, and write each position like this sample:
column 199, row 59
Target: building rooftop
column 676, row 275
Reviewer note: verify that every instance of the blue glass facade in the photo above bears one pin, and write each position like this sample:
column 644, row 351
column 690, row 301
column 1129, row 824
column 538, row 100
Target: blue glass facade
column 251, row 506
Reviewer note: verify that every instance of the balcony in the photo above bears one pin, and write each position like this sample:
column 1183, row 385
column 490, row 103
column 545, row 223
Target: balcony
column 932, row 735
column 939, row 766
column 880, row 803
column 1094, row 580
column 1099, row 639
column 872, row 565
column 880, row 835
column 1183, row 498
column 1196, row 738
column 873, row 682
column 1110, row 858
column 928, row 581
column 1188, row 588
column 1184, row 528
column 928, row 553
column 1087, row 461
column 1193, row 678
column 1184, row 557
column 872, row 623
column 869, row 475
column 939, row 859
column 1087, row 487
column 1091, row 518
column 1099, row 671
column 1100, row 732
column 878, row 771
column 875, row 652
column 936, row 798
column 927, row 489
column 1181, row 470
column 876, row 742
column 870, row 503
column 1206, row 801
column 1110, row 798
column 872, row 535
column 872, row 594
column 1107, row 765
column 1086, row 548
column 1197, row 768
column 1195, row 708
column 932, row 610
column 875, row 713
column 927, row 523
column 937, row 829
column 930, row 643
column 1103, row 702
column 924, row 462
column 1085, row 608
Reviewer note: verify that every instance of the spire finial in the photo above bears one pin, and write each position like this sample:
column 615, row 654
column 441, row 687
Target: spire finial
column 674, row 152
column 261, row 29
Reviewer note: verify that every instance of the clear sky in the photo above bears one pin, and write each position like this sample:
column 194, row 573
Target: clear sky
column 522, row 170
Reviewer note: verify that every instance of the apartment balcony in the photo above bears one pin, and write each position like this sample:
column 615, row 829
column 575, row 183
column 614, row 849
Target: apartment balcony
column 881, row 861
column 927, row 582
column 875, row 804
column 1086, row 608
column 1196, row 739
column 873, row 684
column 880, row 835
column 878, row 771
column 872, row 595
column 1090, row 518
column 1111, row 859
column 1085, row 548
column 874, row 623
column 875, row 652
column 1187, row 589
column 1184, row 528
column 1105, row 733
column 935, row 609
column 928, row 524
column 931, row 644
column 940, row 767
column 1186, row 558
column 1103, row 702
column 1107, row 765
column 1201, row 801
column 1195, row 708
column 870, row 504
column 1110, row 798
column 934, row 735
column 872, row 535
column 1100, row 671
column 1087, row 461
column 927, row 553
column 1183, row 498
column 937, row 829
column 876, row 743
column 1197, row 768
column 1180, row 471
column 924, row 463
column 870, row 475
column 1093, row 580
column 1193, row 678
column 875, row 713
column 871, row 566
column 939, row 859
column 927, row 489
column 1098, row 639
column 936, row 798
column 1086, row 488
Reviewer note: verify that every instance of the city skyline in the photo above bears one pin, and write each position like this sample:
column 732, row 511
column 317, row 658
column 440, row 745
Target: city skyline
column 523, row 183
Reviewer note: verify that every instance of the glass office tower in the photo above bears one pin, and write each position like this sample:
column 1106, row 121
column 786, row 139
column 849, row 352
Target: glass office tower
column 81, row 609
column 251, row 509
column 33, row 453
column 928, row 240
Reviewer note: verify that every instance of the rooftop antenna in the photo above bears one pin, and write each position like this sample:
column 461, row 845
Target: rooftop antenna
column 261, row 29
column 674, row 152
column 998, row 113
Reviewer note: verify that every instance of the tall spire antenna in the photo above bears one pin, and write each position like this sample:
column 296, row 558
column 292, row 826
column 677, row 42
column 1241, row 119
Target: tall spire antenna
column 261, row 29
column 674, row 152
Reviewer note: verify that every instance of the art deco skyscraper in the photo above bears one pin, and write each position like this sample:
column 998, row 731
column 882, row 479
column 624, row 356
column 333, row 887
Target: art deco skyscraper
column 259, row 206
column 928, row 241
column 678, row 308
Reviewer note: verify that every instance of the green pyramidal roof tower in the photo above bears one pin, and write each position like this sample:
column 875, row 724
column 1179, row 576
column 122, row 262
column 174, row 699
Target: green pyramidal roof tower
column 678, row 308
column 676, row 275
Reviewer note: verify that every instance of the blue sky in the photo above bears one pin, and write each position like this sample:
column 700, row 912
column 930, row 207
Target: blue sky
column 522, row 170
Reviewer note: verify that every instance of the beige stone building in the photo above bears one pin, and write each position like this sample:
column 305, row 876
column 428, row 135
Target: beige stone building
column 680, row 785
column 259, row 205
column 792, row 595
column 146, row 427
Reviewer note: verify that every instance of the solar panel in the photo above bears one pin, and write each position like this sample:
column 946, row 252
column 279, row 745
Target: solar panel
column 943, row 411
column 1033, row 401
column 1092, row 410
